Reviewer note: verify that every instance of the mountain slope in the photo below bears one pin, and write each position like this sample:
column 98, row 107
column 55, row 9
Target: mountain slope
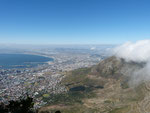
column 103, row 89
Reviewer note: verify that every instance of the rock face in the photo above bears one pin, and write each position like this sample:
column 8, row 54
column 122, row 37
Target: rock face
column 108, row 68
column 114, row 67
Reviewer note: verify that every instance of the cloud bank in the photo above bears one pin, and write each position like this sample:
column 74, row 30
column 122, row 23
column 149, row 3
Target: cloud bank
column 138, row 52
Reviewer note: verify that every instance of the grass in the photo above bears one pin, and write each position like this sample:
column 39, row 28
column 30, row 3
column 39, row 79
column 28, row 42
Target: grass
column 79, row 77
column 46, row 95
column 76, row 76
column 68, row 98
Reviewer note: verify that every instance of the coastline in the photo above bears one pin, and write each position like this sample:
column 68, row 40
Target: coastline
column 24, row 62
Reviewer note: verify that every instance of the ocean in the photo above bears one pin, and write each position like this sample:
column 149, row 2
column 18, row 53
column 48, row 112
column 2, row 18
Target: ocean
column 8, row 61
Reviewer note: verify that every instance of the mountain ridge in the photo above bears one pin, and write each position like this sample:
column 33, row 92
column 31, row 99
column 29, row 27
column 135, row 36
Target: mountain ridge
column 102, row 88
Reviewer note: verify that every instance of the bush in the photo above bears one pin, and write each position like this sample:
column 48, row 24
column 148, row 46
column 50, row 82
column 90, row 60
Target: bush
column 24, row 105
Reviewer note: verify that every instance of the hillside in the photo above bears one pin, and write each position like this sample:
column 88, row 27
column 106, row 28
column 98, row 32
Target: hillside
column 102, row 89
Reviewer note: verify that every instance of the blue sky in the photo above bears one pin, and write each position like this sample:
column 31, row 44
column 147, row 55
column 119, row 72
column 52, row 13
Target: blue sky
column 74, row 21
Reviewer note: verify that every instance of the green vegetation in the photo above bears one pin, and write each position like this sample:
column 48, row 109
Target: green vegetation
column 24, row 105
column 76, row 77
column 108, row 101
column 68, row 98
column 80, row 77
column 46, row 95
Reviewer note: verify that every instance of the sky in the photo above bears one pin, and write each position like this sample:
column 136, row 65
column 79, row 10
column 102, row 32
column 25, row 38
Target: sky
column 74, row 21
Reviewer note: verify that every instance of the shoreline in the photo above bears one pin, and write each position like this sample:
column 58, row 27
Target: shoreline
column 50, row 61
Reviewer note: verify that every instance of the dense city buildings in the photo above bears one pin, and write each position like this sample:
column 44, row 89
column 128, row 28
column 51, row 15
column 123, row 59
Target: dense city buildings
column 45, row 79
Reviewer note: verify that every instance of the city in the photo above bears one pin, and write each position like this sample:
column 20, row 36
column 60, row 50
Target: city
column 45, row 79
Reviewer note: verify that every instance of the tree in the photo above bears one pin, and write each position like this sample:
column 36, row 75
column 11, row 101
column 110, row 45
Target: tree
column 24, row 105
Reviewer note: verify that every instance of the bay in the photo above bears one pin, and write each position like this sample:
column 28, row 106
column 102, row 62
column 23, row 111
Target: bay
column 21, row 60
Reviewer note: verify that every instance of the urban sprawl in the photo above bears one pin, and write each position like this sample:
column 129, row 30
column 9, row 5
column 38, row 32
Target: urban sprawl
column 45, row 79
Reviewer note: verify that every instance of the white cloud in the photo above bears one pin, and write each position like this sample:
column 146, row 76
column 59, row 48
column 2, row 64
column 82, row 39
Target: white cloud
column 137, row 52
